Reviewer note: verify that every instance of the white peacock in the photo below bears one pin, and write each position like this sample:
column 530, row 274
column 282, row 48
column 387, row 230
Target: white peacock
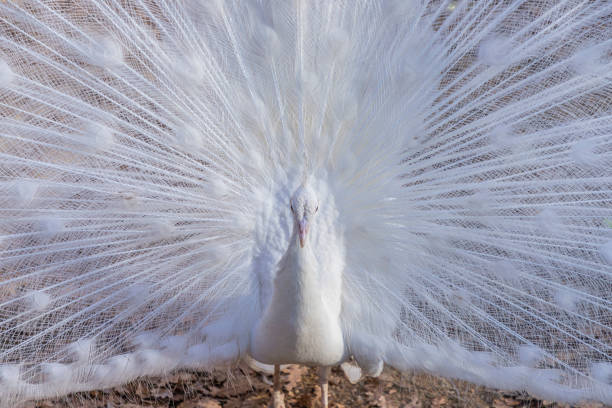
column 422, row 184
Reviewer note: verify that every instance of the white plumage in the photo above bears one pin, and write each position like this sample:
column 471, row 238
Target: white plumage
column 301, row 321
column 450, row 162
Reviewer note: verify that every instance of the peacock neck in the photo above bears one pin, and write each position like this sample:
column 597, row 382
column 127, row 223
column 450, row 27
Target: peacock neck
column 296, row 279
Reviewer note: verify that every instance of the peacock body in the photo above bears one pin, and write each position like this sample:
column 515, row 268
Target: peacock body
column 422, row 184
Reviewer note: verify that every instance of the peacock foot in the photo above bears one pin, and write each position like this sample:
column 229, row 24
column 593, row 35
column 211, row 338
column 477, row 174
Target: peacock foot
column 278, row 400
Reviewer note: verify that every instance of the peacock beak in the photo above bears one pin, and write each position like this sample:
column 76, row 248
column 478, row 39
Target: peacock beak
column 303, row 227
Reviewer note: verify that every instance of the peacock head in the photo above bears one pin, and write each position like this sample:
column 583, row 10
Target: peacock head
column 304, row 205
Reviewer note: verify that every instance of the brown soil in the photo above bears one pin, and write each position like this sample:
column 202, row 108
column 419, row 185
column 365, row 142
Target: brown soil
column 246, row 388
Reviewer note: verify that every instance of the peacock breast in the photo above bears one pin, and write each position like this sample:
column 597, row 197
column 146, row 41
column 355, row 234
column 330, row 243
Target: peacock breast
column 303, row 332
column 301, row 324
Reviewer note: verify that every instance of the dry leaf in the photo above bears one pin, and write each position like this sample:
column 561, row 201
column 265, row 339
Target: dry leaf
column 206, row 403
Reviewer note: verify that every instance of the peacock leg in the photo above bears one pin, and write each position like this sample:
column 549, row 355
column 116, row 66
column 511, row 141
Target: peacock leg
column 278, row 399
column 323, row 377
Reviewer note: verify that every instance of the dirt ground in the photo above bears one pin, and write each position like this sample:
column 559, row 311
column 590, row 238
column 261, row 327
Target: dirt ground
column 246, row 388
